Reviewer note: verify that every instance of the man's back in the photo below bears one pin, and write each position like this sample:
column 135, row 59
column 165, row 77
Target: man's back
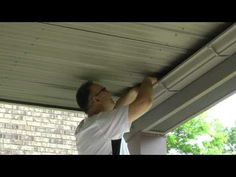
column 94, row 135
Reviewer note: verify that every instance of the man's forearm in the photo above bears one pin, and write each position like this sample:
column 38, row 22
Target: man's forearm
column 128, row 98
column 146, row 90
column 143, row 93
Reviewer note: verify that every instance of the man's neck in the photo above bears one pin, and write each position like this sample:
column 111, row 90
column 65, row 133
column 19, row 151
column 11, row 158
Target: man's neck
column 99, row 109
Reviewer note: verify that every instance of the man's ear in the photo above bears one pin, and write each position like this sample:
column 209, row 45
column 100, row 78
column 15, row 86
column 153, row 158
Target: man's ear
column 96, row 99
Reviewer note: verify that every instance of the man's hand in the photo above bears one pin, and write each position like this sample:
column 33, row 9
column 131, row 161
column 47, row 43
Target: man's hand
column 128, row 98
column 144, row 99
column 153, row 80
column 134, row 91
column 132, row 94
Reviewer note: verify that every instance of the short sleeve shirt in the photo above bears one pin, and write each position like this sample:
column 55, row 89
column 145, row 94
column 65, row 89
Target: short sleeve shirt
column 94, row 134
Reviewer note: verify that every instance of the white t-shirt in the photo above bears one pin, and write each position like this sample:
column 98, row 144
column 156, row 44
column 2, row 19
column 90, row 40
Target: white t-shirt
column 94, row 134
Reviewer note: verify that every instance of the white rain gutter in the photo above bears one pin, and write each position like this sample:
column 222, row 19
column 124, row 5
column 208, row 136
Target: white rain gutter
column 216, row 51
column 208, row 57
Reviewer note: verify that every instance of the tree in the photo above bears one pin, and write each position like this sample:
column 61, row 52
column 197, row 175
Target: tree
column 230, row 146
column 219, row 139
column 197, row 136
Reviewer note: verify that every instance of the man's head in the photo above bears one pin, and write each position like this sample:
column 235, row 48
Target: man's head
column 91, row 95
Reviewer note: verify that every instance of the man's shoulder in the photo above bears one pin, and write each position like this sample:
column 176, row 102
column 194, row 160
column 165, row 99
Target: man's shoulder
column 79, row 127
column 112, row 114
column 87, row 122
column 114, row 111
column 120, row 109
column 100, row 117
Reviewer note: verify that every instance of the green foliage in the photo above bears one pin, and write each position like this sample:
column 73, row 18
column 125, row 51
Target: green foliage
column 231, row 142
column 189, row 137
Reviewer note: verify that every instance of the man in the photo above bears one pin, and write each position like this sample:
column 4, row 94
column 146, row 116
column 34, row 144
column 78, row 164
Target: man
column 102, row 131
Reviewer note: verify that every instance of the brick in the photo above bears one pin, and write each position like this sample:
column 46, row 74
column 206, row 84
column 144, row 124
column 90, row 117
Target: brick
column 46, row 153
column 14, row 126
column 8, row 106
column 28, row 113
column 67, row 132
column 9, row 126
column 21, row 122
column 36, row 114
column 36, row 134
column 63, row 146
column 32, row 153
column 19, row 152
column 75, row 119
column 17, row 142
column 56, row 131
column 48, row 111
column 55, row 121
column 7, row 136
column 26, row 137
column 37, row 143
column 60, row 117
column 6, row 152
column 18, row 131
column 59, row 141
column 9, row 111
column 26, row 133
column 10, row 146
column 41, row 149
column 55, row 136
column 15, row 112
column 2, row 110
column 27, row 127
column 34, row 123
column 15, row 136
column 48, row 125
column 21, row 127
column 70, row 123
column 73, row 129
column 45, row 120
column 49, row 152
column 72, row 152
column 66, row 114
column 21, row 107
column 57, row 112
column 18, row 117
column 40, row 129
column 65, row 127
column 52, row 145
column 8, row 116
column 42, row 139
column 45, row 115
column 37, row 119
column 44, row 144
column 44, row 134
column 14, row 107
column 28, row 118
column 34, row 128
column 28, row 148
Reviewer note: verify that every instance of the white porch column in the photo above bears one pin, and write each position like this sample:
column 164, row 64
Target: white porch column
column 148, row 144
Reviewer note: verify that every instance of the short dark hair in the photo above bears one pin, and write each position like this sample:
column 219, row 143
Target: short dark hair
column 82, row 95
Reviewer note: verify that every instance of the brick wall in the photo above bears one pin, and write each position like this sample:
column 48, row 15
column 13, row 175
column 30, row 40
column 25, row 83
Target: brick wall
column 37, row 130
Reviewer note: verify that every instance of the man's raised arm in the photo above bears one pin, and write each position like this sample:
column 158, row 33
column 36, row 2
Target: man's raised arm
column 143, row 102
column 128, row 98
